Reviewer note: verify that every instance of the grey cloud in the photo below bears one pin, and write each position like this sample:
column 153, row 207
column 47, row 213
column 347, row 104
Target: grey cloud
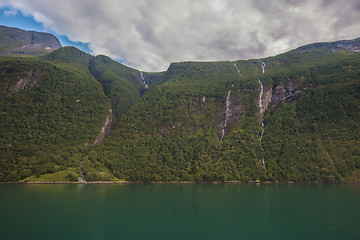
column 357, row 7
column 150, row 34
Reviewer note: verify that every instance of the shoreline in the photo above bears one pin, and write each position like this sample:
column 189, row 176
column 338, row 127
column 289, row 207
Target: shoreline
column 177, row 182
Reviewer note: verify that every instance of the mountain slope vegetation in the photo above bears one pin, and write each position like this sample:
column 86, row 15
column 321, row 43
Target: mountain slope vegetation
column 49, row 114
column 55, row 107
column 291, row 117
column 121, row 84
column 311, row 122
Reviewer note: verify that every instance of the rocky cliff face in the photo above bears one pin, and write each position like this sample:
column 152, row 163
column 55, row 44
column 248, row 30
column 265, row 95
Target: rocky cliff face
column 282, row 93
column 15, row 41
column 25, row 82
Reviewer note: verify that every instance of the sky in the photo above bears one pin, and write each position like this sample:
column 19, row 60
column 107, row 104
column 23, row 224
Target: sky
column 150, row 34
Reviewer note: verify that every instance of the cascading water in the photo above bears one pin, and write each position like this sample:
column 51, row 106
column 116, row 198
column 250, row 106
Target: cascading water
column 80, row 168
column 237, row 68
column 261, row 94
column 143, row 80
column 81, row 178
column 227, row 114
column 263, row 65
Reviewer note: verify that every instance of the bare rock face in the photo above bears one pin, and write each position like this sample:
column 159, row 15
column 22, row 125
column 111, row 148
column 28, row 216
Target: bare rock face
column 25, row 82
column 15, row 41
column 266, row 101
column 105, row 130
column 282, row 93
column 233, row 111
column 278, row 96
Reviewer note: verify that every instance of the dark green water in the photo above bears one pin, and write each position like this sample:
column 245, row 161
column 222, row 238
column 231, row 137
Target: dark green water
column 180, row 211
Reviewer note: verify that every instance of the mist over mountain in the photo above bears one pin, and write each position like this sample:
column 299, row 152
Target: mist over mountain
column 71, row 116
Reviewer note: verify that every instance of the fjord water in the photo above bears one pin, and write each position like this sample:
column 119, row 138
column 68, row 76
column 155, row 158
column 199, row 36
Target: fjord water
column 180, row 211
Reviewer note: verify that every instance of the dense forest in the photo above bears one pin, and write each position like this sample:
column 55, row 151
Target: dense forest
column 198, row 121
column 52, row 109
column 311, row 123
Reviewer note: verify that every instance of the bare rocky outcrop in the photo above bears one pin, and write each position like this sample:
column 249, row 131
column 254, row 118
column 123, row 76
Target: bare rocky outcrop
column 25, row 82
column 105, row 130
column 285, row 93
column 266, row 100
column 233, row 112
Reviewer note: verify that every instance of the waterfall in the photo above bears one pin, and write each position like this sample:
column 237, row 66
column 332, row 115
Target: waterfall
column 227, row 110
column 237, row 68
column 261, row 94
column 81, row 178
column 263, row 65
column 80, row 168
column 143, row 80
column 227, row 113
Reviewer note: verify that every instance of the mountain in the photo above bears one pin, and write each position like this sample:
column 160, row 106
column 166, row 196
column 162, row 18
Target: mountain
column 14, row 41
column 352, row 45
column 291, row 117
column 55, row 107
column 121, row 84
column 203, row 121
column 49, row 114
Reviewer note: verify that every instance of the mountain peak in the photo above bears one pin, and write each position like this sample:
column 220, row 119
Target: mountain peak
column 15, row 41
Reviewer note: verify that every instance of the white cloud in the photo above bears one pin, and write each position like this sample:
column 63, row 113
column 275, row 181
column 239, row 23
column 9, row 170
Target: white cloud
column 150, row 34
column 10, row 12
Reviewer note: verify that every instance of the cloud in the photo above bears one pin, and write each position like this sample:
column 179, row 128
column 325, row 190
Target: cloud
column 10, row 12
column 150, row 34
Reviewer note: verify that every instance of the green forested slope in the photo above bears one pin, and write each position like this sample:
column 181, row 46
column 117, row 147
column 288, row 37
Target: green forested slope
column 311, row 122
column 121, row 84
column 314, row 136
column 198, row 121
column 49, row 114
column 174, row 131
column 53, row 108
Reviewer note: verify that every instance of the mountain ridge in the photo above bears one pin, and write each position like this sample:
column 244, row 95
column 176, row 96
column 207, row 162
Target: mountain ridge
column 290, row 117
column 15, row 41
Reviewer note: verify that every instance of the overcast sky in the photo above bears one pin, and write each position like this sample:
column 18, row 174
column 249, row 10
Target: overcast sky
column 150, row 34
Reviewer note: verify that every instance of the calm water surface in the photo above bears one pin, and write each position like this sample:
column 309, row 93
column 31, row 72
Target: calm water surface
column 180, row 211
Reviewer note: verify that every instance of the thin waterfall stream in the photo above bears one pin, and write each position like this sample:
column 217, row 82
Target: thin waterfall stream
column 143, row 80
column 263, row 65
column 227, row 113
column 237, row 68
column 81, row 178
